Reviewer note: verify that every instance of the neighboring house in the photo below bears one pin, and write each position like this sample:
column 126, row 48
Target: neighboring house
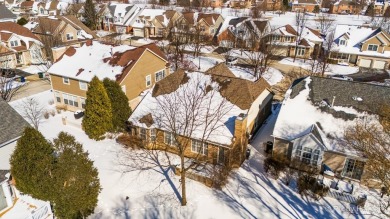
column 26, row 7
column 234, row 31
column 248, row 103
column 134, row 68
column 61, row 32
column 6, row 15
column 119, row 15
column 206, row 23
column 380, row 7
column 305, row 5
column 362, row 46
column 19, row 46
column 148, row 23
column 285, row 39
column 240, row 3
column 344, row 7
column 272, row 5
column 314, row 116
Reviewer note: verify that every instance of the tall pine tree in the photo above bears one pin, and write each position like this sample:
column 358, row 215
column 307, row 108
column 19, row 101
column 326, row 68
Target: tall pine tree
column 121, row 110
column 98, row 115
column 76, row 179
column 32, row 164
column 90, row 15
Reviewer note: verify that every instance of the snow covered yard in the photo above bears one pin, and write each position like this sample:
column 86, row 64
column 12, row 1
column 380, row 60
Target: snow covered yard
column 153, row 193
column 333, row 69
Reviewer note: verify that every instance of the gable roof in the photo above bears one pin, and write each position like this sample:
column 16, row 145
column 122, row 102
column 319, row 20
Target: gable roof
column 213, row 88
column 5, row 13
column 77, row 24
column 210, row 19
column 220, row 69
column 17, row 29
column 46, row 25
column 11, row 123
column 102, row 60
column 333, row 105
column 27, row 4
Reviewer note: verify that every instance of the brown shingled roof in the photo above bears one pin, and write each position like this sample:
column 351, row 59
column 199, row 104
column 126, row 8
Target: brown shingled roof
column 26, row 4
column 314, row 2
column 189, row 17
column 46, row 25
column 17, row 29
column 170, row 83
column 291, row 30
column 221, row 69
column 169, row 13
column 77, row 24
column 147, row 120
column 208, row 18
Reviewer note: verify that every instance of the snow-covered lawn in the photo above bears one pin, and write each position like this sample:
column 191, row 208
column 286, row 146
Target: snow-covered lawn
column 333, row 69
column 250, row 192
column 272, row 75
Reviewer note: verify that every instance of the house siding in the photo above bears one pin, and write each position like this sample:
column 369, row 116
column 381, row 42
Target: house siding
column 147, row 64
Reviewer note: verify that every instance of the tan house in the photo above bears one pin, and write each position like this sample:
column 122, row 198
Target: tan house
column 314, row 134
column 206, row 23
column 286, row 37
column 60, row 32
column 247, row 106
column 19, row 46
column 134, row 68
column 344, row 7
column 240, row 3
column 361, row 46
column 305, row 5
column 380, row 7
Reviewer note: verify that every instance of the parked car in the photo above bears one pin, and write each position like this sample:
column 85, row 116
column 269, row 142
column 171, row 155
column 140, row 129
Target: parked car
column 342, row 77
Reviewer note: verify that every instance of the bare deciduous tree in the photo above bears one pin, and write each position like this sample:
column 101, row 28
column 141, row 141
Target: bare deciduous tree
column 325, row 23
column 9, row 86
column 32, row 111
column 372, row 141
column 300, row 22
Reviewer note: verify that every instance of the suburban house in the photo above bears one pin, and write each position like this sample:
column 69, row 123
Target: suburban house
column 380, row 7
column 134, row 68
column 149, row 23
column 244, row 106
column 285, row 38
column 19, row 46
column 312, row 120
column 344, row 7
column 6, row 15
column 60, row 32
column 206, row 23
column 237, row 30
column 272, row 5
column 118, row 15
column 305, row 5
column 12, row 126
column 362, row 46
column 240, row 3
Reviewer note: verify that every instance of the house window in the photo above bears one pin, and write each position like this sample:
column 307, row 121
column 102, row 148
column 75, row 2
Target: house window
column 69, row 36
column 353, row 169
column 202, row 28
column 275, row 38
column 199, row 147
column 70, row 100
column 65, row 80
column 212, row 30
column 160, row 75
column 342, row 43
column 300, row 51
column 35, row 54
column 14, row 43
column 307, row 155
column 82, row 100
column 372, row 48
column 169, row 139
column 142, row 134
column 58, row 97
column 342, row 56
column 148, row 80
column 152, row 135
column 288, row 39
column 83, row 85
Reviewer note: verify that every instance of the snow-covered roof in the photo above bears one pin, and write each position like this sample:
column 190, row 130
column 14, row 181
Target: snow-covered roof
column 215, row 90
column 147, row 15
column 333, row 105
column 311, row 36
column 101, row 60
column 355, row 35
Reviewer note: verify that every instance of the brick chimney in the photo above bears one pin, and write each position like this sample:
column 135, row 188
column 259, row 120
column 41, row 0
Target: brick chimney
column 240, row 126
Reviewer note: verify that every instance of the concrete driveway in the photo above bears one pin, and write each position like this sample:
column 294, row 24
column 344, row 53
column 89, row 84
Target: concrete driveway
column 31, row 88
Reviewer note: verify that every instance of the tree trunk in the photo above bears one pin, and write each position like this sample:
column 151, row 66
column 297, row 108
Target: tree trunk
column 183, row 183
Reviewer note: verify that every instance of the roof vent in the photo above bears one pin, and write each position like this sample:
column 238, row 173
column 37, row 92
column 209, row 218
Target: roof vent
column 356, row 98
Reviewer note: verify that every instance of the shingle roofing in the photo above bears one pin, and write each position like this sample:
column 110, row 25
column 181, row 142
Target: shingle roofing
column 5, row 13
column 11, row 123
column 17, row 29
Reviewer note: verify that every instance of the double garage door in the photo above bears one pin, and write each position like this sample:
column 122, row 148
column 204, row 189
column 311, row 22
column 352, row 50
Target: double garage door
column 366, row 63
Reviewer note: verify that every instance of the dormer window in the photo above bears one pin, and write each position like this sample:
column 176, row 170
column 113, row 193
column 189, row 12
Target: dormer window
column 372, row 48
column 343, row 42
column 14, row 43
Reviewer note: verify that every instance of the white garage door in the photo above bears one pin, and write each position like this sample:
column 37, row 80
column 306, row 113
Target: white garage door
column 379, row 64
column 365, row 63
